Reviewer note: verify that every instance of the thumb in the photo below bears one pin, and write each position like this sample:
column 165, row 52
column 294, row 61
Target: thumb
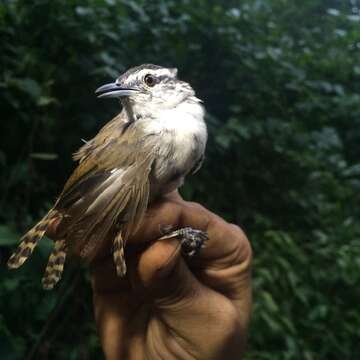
column 164, row 275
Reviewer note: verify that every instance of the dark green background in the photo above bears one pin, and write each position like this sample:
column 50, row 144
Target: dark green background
column 281, row 83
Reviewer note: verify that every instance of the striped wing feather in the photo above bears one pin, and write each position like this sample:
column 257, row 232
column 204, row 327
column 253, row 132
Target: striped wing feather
column 107, row 192
column 110, row 187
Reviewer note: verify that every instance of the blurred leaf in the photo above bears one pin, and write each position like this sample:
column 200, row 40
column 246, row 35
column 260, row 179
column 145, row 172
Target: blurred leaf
column 29, row 86
column 8, row 236
column 44, row 156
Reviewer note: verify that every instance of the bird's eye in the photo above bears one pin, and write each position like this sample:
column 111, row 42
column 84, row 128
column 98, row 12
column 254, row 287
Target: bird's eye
column 149, row 80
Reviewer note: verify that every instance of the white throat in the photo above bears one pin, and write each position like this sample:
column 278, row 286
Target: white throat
column 184, row 119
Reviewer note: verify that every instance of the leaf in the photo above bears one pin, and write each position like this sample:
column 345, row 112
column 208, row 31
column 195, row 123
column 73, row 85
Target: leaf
column 26, row 85
column 333, row 12
column 44, row 156
column 223, row 140
column 46, row 100
column 270, row 303
column 353, row 170
column 7, row 236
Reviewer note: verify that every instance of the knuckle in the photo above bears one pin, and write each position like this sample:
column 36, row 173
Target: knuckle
column 230, row 319
column 194, row 206
column 243, row 242
column 242, row 251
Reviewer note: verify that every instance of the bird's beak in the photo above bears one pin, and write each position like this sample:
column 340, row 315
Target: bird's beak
column 113, row 90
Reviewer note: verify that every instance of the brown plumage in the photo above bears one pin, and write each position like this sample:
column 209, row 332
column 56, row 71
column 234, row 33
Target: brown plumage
column 133, row 159
column 109, row 187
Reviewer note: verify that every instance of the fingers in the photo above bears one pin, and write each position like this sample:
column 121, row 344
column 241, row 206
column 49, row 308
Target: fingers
column 117, row 315
column 227, row 268
column 227, row 244
column 161, row 272
column 195, row 312
column 167, row 303
column 224, row 264
column 164, row 212
column 211, row 303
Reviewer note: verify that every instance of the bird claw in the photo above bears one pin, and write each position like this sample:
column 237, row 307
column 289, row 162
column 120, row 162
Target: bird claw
column 191, row 240
column 165, row 229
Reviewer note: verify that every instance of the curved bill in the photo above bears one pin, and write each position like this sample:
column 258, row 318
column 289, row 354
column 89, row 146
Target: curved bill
column 113, row 90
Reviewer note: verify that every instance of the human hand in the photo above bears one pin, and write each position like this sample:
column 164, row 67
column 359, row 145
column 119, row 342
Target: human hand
column 168, row 307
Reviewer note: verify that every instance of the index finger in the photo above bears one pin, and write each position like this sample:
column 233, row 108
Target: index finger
column 224, row 263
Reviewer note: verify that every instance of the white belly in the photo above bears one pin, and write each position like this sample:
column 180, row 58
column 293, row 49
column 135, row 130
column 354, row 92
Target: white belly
column 182, row 139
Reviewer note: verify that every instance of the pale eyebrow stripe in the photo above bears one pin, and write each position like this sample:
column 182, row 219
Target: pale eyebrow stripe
column 162, row 72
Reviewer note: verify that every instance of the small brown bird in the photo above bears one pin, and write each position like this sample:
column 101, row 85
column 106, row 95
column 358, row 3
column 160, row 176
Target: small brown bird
column 145, row 151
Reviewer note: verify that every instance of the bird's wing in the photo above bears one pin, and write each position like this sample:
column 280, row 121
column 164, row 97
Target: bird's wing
column 117, row 126
column 109, row 188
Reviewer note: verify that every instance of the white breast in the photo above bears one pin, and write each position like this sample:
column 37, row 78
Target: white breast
column 182, row 131
column 184, row 122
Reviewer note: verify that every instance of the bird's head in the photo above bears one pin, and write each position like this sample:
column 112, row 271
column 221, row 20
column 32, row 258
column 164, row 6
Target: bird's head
column 148, row 86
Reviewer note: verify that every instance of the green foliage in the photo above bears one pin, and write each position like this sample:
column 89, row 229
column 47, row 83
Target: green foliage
column 280, row 81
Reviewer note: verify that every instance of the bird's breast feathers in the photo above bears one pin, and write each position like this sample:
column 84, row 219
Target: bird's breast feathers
column 181, row 133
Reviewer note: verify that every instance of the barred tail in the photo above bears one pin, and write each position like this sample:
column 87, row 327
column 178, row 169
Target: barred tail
column 55, row 265
column 30, row 240
column 118, row 254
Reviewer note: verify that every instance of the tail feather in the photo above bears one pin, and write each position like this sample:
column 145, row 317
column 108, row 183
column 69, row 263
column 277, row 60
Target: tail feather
column 118, row 254
column 55, row 266
column 29, row 241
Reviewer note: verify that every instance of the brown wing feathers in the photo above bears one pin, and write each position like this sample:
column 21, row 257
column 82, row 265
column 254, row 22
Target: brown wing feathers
column 108, row 190
column 125, row 201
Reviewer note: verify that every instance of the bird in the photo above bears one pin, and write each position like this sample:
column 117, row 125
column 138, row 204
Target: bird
column 158, row 138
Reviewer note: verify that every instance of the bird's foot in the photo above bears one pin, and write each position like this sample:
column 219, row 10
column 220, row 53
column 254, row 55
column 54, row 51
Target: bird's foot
column 191, row 240
column 165, row 229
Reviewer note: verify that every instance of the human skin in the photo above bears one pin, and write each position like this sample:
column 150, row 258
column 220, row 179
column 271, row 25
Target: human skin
column 169, row 307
